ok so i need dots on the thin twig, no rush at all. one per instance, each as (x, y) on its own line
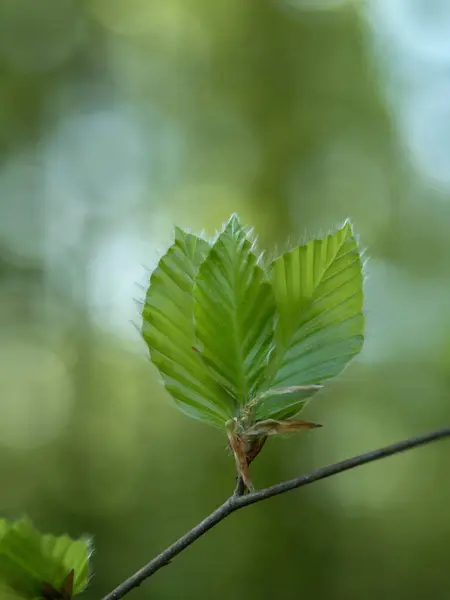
(240, 488)
(237, 501)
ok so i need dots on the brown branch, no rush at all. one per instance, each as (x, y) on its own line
(238, 501)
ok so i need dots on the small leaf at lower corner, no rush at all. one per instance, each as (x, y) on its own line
(32, 563)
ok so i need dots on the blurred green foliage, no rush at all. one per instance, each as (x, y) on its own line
(35, 565)
(120, 118)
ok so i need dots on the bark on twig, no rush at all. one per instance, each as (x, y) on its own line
(238, 501)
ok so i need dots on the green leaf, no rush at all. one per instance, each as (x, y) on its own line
(282, 401)
(319, 299)
(168, 330)
(234, 312)
(8, 593)
(29, 559)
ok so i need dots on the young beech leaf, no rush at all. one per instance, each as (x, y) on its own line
(319, 298)
(234, 312)
(33, 565)
(277, 427)
(282, 401)
(66, 591)
(168, 330)
(8, 593)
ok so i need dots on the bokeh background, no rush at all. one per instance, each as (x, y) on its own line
(121, 118)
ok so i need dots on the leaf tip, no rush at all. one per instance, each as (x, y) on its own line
(233, 222)
(180, 234)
